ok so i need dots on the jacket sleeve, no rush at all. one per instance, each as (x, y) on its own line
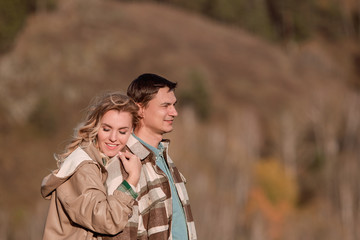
(85, 201)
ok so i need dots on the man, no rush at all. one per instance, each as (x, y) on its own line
(162, 209)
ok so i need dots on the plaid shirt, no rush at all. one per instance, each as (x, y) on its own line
(152, 211)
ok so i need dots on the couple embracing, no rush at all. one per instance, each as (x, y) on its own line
(115, 179)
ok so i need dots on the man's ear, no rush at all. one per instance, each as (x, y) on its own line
(141, 110)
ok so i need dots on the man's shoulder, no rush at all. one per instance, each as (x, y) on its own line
(136, 147)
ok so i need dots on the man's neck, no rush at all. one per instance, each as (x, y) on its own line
(150, 138)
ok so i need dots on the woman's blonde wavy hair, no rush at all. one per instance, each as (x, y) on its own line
(87, 130)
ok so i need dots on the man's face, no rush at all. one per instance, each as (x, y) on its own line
(159, 114)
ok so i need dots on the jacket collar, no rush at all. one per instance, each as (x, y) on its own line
(139, 149)
(95, 155)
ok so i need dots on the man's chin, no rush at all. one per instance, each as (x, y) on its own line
(168, 130)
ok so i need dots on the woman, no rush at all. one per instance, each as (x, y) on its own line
(80, 207)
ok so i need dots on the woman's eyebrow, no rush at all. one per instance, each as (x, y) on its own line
(107, 125)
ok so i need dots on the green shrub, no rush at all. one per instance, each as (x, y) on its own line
(197, 96)
(43, 118)
(13, 14)
(12, 17)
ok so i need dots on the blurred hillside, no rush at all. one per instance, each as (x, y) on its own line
(267, 136)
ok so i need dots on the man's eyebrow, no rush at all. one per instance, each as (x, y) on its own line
(168, 103)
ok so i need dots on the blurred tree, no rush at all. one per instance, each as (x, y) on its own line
(13, 14)
(275, 20)
(12, 17)
(272, 198)
(350, 12)
(279, 20)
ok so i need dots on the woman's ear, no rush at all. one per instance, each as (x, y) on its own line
(94, 141)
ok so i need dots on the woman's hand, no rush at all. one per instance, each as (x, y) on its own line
(132, 166)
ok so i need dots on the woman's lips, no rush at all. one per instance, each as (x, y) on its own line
(111, 146)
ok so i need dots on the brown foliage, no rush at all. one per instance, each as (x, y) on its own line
(294, 104)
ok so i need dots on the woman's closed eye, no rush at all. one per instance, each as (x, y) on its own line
(106, 129)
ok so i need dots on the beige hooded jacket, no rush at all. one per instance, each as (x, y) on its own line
(80, 207)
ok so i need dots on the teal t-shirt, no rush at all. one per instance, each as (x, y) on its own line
(179, 228)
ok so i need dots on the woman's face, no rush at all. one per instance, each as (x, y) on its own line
(115, 129)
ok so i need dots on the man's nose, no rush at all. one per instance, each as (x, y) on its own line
(173, 111)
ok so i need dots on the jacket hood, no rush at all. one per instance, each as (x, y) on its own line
(78, 157)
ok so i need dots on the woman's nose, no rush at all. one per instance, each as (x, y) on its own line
(113, 136)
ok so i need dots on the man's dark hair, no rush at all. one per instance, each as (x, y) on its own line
(145, 87)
